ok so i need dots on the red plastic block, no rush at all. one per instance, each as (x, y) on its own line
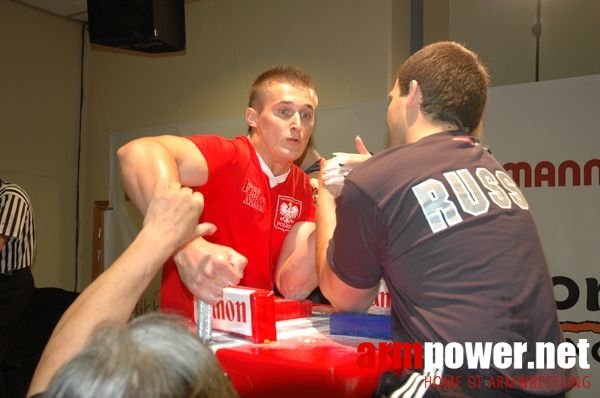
(290, 309)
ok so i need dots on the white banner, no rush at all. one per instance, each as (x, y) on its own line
(546, 134)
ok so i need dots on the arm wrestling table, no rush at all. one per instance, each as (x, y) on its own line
(305, 361)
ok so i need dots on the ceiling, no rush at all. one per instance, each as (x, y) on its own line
(75, 10)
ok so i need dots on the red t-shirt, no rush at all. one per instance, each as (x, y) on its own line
(251, 217)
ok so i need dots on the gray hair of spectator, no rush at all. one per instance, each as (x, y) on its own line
(154, 355)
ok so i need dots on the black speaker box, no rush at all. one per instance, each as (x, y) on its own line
(152, 26)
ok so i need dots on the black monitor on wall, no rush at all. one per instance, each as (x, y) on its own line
(152, 26)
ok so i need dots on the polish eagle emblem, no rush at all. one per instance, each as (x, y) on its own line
(288, 211)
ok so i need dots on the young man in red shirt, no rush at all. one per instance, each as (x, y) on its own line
(259, 200)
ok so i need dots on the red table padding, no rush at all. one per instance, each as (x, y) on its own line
(298, 368)
(289, 309)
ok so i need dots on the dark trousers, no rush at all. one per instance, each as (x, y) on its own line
(16, 290)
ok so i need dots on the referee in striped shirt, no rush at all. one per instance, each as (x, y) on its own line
(17, 248)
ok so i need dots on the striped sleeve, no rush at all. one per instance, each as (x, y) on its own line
(17, 225)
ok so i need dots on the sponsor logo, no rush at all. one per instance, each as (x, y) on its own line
(254, 196)
(570, 294)
(570, 290)
(566, 173)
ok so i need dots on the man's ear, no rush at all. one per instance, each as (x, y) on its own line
(414, 93)
(413, 102)
(251, 116)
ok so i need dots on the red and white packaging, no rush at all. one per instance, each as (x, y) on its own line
(383, 296)
(246, 312)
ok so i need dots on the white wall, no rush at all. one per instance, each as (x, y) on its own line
(501, 32)
(548, 123)
(39, 115)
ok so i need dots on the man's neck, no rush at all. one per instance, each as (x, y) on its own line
(427, 128)
(276, 169)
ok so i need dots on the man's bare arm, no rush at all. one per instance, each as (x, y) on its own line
(341, 295)
(144, 161)
(170, 222)
(296, 276)
(204, 267)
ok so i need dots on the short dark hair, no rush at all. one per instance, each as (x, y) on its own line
(283, 74)
(453, 81)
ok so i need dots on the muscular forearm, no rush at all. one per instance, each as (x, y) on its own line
(142, 163)
(296, 276)
(326, 223)
(169, 158)
(341, 295)
(170, 222)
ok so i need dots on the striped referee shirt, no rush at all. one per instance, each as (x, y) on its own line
(17, 226)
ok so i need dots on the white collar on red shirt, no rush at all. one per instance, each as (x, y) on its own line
(273, 180)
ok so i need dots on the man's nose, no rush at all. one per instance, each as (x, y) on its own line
(296, 119)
